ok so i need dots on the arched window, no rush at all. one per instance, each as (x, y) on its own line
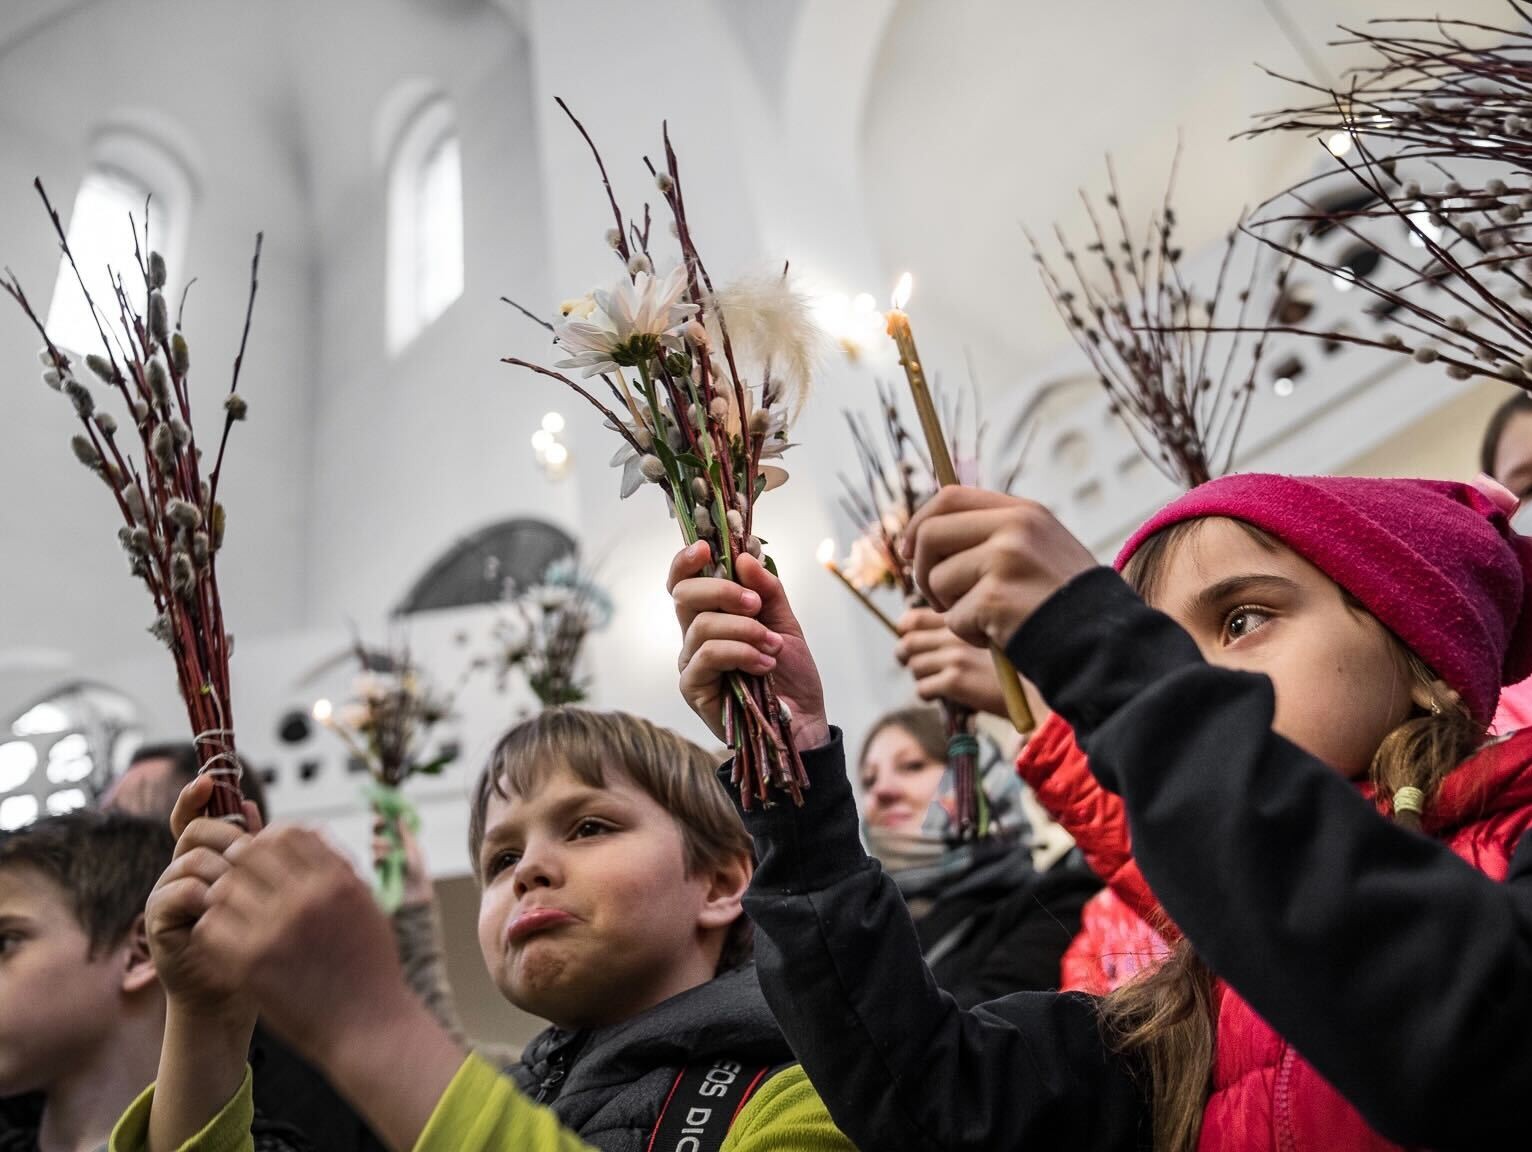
(129, 174)
(59, 752)
(425, 221)
(478, 568)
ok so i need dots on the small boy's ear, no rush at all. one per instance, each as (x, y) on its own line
(727, 882)
(138, 970)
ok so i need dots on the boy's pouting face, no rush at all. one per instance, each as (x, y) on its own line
(587, 915)
(57, 1001)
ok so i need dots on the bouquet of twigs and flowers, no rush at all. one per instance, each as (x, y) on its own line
(1174, 357)
(172, 522)
(699, 383)
(388, 724)
(543, 630)
(1434, 135)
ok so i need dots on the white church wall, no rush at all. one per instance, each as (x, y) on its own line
(415, 450)
(66, 585)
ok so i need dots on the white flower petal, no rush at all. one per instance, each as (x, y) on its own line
(632, 477)
(640, 293)
(578, 336)
(593, 363)
(773, 448)
(621, 307)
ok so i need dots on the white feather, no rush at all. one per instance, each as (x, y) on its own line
(770, 324)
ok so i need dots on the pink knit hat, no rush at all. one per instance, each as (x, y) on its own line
(1436, 562)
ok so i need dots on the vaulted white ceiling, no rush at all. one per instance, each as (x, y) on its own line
(981, 117)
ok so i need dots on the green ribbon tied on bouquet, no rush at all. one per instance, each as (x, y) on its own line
(397, 813)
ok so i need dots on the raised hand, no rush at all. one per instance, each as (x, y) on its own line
(418, 892)
(197, 982)
(944, 666)
(304, 929)
(988, 561)
(210, 1012)
(742, 627)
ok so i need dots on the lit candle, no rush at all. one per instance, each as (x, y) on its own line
(930, 423)
(827, 558)
(941, 462)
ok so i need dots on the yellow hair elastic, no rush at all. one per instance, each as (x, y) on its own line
(1409, 799)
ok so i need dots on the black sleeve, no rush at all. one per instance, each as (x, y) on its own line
(274, 1136)
(1024, 952)
(898, 1064)
(289, 1094)
(1402, 974)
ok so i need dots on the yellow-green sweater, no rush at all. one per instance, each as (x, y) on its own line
(482, 1111)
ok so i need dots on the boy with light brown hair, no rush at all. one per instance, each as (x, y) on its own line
(612, 866)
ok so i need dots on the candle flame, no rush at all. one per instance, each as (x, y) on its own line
(902, 291)
(826, 551)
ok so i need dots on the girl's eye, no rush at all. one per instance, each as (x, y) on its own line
(585, 829)
(914, 767)
(8, 942)
(1243, 621)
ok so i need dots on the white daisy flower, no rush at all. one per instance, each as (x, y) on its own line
(631, 322)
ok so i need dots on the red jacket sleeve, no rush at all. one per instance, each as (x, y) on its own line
(1055, 767)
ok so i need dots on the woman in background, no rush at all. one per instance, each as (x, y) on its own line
(989, 923)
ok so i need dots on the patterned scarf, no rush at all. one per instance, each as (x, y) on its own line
(924, 863)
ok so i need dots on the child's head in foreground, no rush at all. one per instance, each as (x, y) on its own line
(74, 960)
(611, 864)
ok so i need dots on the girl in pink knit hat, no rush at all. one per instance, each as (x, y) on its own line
(1280, 662)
